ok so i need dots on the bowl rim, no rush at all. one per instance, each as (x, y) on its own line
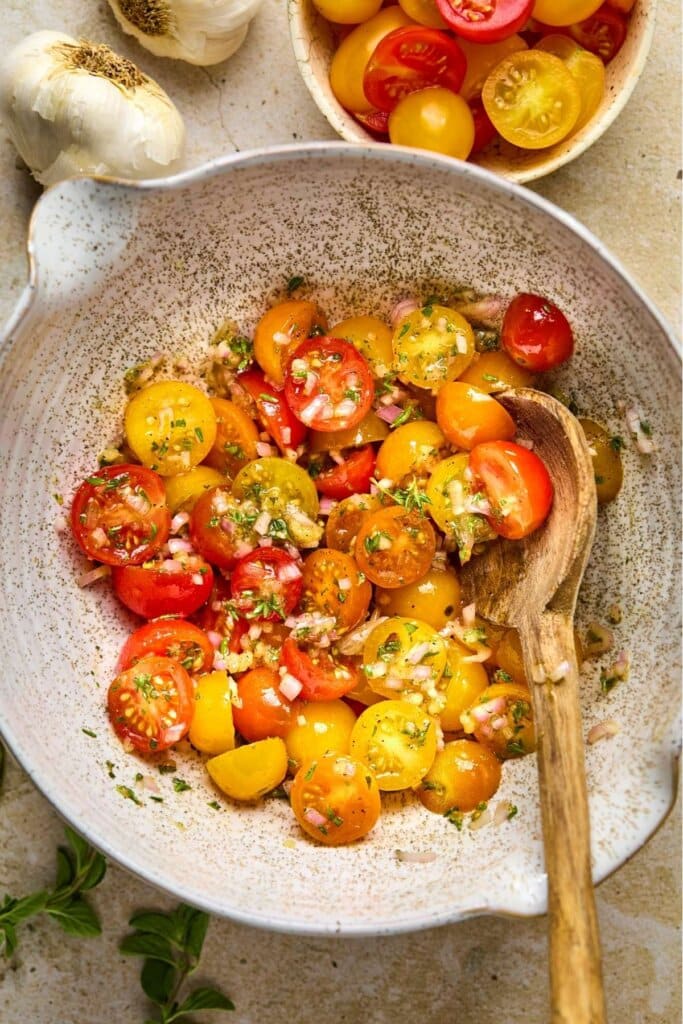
(49, 785)
(343, 123)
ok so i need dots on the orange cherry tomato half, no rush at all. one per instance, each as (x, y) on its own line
(517, 485)
(352, 476)
(332, 588)
(168, 638)
(328, 384)
(469, 416)
(273, 411)
(236, 437)
(262, 711)
(335, 799)
(213, 531)
(266, 584)
(410, 59)
(485, 21)
(536, 333)
(151, 704)
(322, 675)
(603, 33)
(280, 330)
(164, 587)
(119, 515)
(395, 546)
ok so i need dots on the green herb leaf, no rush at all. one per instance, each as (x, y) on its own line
(294, 283)
(151, 923)
(158, 981)
(154, 946)
(204, 999)
(76, 918)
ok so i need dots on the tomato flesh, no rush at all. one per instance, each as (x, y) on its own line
(266, 584)
(273, 410)
(395, 546)
(169, 638)
(329, 384)
(170, 587)
(350, 477)
(151, 704)
(322, 676)
(119, 515)
(485, 21)
(536, 333)
(262, 710)
(603, 33)
(517, 485)
(410, 59)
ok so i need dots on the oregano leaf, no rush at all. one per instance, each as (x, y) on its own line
(158, 981)
(153, 923)
(76, 918)
(154, 946)
(65, 870)
(204, 999)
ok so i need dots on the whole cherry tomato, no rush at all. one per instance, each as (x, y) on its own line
(536, 333)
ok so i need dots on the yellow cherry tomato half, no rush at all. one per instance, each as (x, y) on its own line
(435, 119)
(411, 450)
(434, 598)
(405, 658)
(424, 12)
(335, 799)
(372, 337)
(502, 719)
(184, 489)
(432, 344)
(275, 484)
(212, 730)
(564, 12)
(236, 438)
(280, 330)
(464, 775)
(319, 727)
(452, 505)
(350, 59)
(482, 59)
(495, 371)
(607, 467)
(585, 67)
(347, 12)
(250, 772)
(170, 426)
(370, 429)
(532, 99)
(397, 741)
(462, 682)
(469, 416)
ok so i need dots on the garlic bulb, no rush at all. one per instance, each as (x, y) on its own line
(197, 31)
(73, 107)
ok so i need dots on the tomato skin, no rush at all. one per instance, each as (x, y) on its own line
(397, 741)
(354, 52)
(375, 121)
(264, 712)
(411, 59)
(603, 33)
(504, 18)
(322, 676)
(273, 410)
(170, 426)
(435, 119)
(563, 12)
(469, 416)
(317, 728)
(517, 485)
(351, 477)
(335, 799)
(236, 437)
(329, 384)
(463, 775)
(140, 701)
(536, 333)
(109, 530)
(263, 574)
(168, 638)
(344, 521)
(484, 129)
(151, 592)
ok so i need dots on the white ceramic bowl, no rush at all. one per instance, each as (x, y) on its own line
(313, 43)
(120, 271)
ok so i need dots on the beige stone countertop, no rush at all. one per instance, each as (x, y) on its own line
(488, 970)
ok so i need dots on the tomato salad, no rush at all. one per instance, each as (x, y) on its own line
(454, 76)
(291, 527)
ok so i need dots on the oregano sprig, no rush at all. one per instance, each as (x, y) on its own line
(172, 945)
(79, 868)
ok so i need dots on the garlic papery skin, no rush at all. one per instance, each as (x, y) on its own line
(197, 31)
(72, 107)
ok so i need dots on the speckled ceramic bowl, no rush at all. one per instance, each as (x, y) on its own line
(119, 272)
(313, 43)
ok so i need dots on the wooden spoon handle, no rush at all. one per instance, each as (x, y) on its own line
(575, 967)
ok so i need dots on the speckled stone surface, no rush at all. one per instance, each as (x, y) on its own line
(626, 190)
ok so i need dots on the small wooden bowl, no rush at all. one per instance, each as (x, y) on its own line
(313, 42)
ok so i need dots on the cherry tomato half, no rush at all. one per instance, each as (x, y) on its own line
(119, 515)
(266, 584)
(375, 121)
(236, 438)
(335, 799)
(262, 710)
(536, 333)
(219, 528)
(395, 546)
(151, 704)
(517, 485)
(564, 12)
(280, 330)
(354, 52)
(603, 33)
(328, 384)
(410, 59)
(169, 638)
(273, 411)
(485, 21)
(168, 587)
(350, 477)
(322, 675)
(333, 587)
(469, 416)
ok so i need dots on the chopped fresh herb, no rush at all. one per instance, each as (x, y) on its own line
(110, 769)
(646, 428)
(143, 683)
(373, 541)
(268, 398)
(512, 811)
(455, 817)
(353, 394)
(180, 786)
(199, 434)
(391, 646)
(501, 676)
(491, 378)
(89, 732)
(128, 793)
(235, 450)
(410, 627)
(157, 799)
(616, 443)
(428, 310)
(294, 283)
(332, 816)
(515, 747)
(411, 497)
(384, 386)
(214, 805)
(404, 330)
(96, 481)
(411, 412)
(167, 768)
(264, 607)
(311, 771)
(278, 530)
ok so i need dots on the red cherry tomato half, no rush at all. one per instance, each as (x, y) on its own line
(517, 485)
(376, 121)
(273, 410)
(535, 333)
(162, 589)
(322, 676)
(484, 131)
(218, 616)
(351, 477)
(329, 384)
(119, 515)
(151, 704)
(218, 531)
(485, 21)
(410, 59)
(266, 584)
(603, 33)
(169, 638)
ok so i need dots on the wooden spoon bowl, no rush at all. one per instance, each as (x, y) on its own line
(533, 585)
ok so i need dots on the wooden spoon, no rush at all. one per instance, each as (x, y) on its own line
(532, 585)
